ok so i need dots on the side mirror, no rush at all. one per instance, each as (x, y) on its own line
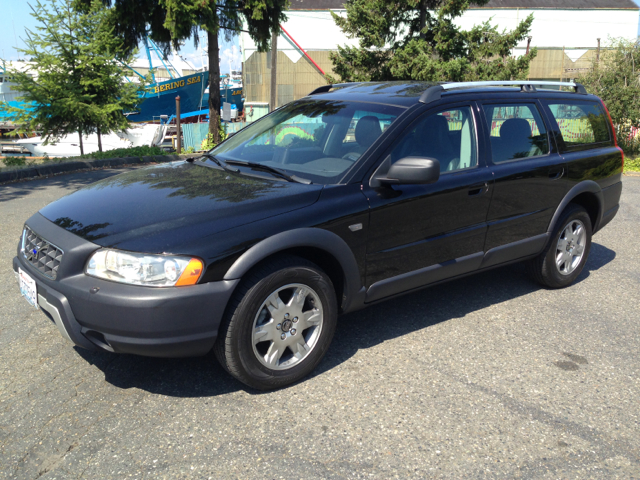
(413, 171)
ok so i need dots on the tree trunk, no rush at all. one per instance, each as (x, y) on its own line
(99, 141)
(214, 86)
(423, 18)
(81, 145)
(273, 97)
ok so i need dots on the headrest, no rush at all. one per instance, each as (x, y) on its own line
(435, 126)
(367, 131)
(515, 127)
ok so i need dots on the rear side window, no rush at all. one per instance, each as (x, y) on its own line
(580, 124)
(517, 131)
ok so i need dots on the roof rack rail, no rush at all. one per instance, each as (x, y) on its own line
(322, 89)
(432, 94)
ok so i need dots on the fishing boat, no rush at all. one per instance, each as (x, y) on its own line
(230, 91)
(159, 99)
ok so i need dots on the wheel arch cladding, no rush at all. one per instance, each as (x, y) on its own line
(324, 248)
(588, 195)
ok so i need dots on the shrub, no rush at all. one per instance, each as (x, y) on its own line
(14, 161)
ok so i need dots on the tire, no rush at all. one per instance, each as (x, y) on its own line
(564, 257)
(279, 324)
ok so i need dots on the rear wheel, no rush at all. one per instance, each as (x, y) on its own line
(279, 324)
(563, 259)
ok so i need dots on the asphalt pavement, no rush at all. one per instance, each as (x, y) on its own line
(490, 376)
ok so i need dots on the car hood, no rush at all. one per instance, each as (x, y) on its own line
(164, 208)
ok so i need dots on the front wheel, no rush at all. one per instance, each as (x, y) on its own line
(279, 324)
(563, 259)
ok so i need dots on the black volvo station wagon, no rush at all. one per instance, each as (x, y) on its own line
(352, 195)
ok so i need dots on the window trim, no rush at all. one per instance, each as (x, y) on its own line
(562, 145)
(541, 113)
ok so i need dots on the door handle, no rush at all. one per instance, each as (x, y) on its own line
(478, 189)
(556, 174)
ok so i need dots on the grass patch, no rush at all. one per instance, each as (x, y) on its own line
(13, 163)
(631, 164)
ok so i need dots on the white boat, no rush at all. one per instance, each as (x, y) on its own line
(69, 145)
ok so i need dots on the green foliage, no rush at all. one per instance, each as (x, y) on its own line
(629, 143)
(418, 40)
(615, 80)
(14, 161)
(143, 151)
(210, 141)
(76, 81)
(632, 164)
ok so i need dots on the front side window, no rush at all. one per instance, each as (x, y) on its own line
(448, 136)
(315, 139)
(517, 131)
(580, 123)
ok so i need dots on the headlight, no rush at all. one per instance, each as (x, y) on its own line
(144, 269)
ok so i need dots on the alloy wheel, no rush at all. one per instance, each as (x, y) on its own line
(571, 246)
(287, 326)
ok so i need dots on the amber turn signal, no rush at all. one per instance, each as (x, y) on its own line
(191, 273)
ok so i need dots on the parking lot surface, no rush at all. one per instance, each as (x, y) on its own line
(489, 376)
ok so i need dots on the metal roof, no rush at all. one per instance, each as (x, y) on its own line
(557, 4)
(561, 4)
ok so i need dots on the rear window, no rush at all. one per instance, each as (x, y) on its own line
(581, 123)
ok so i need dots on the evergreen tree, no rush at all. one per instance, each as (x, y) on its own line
(75, 81)
(418, 40)
(171, 22)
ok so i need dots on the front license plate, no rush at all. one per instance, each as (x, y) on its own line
(28, 287)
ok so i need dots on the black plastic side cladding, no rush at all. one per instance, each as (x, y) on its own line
(303, 237)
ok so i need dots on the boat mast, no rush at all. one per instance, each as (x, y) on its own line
(146, 47)
(157, 50)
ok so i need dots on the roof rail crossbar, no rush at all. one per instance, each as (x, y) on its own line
(322, 89)
(432, 94)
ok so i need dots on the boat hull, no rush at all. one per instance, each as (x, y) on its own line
(232, 95)
(160, 98)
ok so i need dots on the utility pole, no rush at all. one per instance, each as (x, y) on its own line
(598, 52)
(178, 129)
(274, 70)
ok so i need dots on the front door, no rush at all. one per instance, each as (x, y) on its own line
(420, 234)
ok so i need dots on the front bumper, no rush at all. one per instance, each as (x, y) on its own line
(101, 315)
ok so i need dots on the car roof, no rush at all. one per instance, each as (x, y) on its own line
(408, 93)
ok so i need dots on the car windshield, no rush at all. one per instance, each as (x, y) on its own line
(313, 139)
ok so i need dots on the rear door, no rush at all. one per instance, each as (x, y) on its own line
(530, 179)
(420, 234)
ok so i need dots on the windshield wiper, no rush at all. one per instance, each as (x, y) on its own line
(267, 168)
(222, 164)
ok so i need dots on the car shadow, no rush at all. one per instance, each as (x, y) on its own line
(204, 377)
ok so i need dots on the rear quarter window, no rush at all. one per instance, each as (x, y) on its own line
(581, 124)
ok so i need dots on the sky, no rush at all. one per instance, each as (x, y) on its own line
(16, 17)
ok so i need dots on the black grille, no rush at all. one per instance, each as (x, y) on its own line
(43, 255)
